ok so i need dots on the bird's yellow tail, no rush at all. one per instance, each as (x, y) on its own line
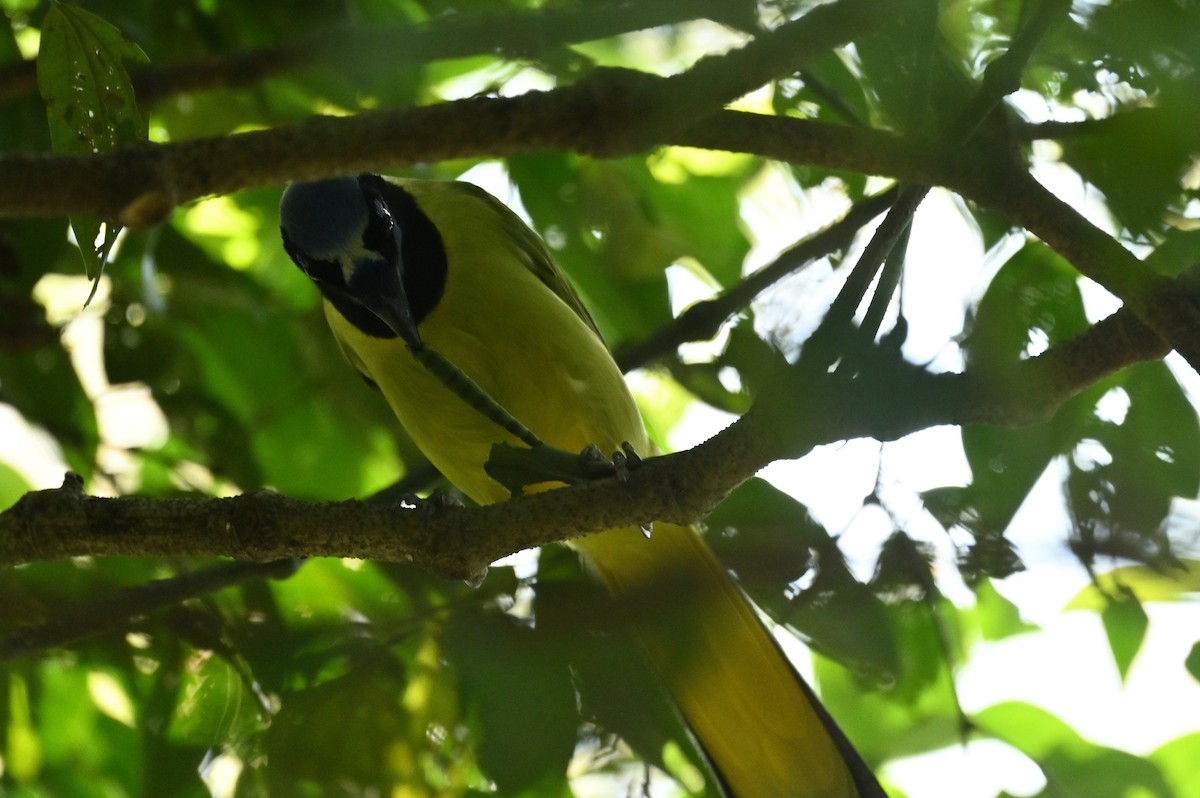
(749, 709)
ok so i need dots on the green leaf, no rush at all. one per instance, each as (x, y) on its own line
(89, 96)
(769, 541)
(615, 230)
(520, 694)
(23, 755)
(1147, 42)
(1177, 760)
(321, 590)
(45, 388)
(12, 486)
(353, 727)
(1149, 584)
(1032, 302)
(912, 709)
(1125, 623)
(1178, 252)
(621, 281)
(914, 87)
(216, 704)
(1130, 467)
(263, 396)
(998, 617)
(90, 102)
(749, 359)
(1072, 765)
(98, 754)
(827, 90)
(1192, 662)
(765, 537)
(704, 211)
(1140, 191)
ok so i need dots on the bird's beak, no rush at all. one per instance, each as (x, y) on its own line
(385, 297)
(394, 309)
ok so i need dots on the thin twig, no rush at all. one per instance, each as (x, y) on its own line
(701, 321)
(830, 339)
(107, 614)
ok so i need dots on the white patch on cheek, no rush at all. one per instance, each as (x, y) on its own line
(350, 259)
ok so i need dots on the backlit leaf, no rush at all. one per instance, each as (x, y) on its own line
(90, 102)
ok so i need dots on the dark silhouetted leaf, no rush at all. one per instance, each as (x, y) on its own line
(520, 700)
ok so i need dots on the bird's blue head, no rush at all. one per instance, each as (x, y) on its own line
(364, 242)
(324, 219)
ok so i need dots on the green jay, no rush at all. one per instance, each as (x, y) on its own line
(406, 264)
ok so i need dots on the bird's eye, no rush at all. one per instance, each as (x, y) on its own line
(382, 212)
(380, 235)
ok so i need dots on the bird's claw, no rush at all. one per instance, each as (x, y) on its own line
(594, 465)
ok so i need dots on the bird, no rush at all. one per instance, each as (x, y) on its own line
(407, 266)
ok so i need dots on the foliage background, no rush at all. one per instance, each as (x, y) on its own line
(203, 367)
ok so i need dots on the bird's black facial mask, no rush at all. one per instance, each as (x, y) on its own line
(377, 281)
(369, 248)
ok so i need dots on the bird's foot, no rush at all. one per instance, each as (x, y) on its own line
(594, 465)
(517, 467)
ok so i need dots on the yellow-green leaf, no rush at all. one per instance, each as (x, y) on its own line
(1149, 584)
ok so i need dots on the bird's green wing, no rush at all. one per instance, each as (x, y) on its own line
(537, 258)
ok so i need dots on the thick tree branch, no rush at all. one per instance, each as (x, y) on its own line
(886, 401)
(130, 183)
(1170, 307)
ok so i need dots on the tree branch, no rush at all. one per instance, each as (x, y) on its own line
(888, 400)
(701, 321)
(836, 332)
(516, 34)
(106, 614)
(992, 178)
(1033, 131)
(608, 113)
(1003, 75)
(1170, 307)
(140, 185)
